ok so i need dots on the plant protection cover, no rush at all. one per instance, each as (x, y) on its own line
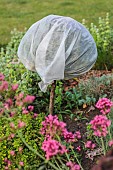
(57, 47)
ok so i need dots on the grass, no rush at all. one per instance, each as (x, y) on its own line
(23, 13)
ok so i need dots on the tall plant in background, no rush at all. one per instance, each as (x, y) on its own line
(103, 36)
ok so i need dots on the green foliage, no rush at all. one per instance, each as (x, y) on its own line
(97, 87)
(9, 64)
(31, 131)
(75, 98)
(103, 36)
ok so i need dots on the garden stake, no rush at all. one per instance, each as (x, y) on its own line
(52, 96)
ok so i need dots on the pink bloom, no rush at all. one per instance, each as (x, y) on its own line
(30, 108)
(9, 163)
(69, 136)
(5, 160)
(21, 124)
(20, 149)
(110, 143)
(78, 134)
(19, 96)
(52, 126)
(4, 86)
(1, 77)
(15, 87)
(8, 103)
(19, 103)
(12, 114)
(29, 99)
(104, 105)
(35, 115)
(100, 124)
(12, 125)
(52, 148)
(25, 111)
(90, 145)
(21, 163)
(1, 111)
(72, 165)
(12, 135)
(12, 153)
(78, 148)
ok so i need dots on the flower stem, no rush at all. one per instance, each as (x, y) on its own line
(103, 146)
(76, 158)
(109, 129)
(30, 148)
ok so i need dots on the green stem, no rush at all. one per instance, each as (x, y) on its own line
(103, 146)
(65, 152)
(76, 158)
(33, 150)
(109, 129)
(57, 164)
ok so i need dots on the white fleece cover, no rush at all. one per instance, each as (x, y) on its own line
(57, 47)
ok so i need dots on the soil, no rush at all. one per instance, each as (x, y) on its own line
(74, 125)
(80, 125)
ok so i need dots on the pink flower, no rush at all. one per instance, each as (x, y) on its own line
(90, 145)
(20, 149)
(12, 135)
(25, 111)
(35, 115)
(14, 87)
(1, 77)
(30, 108)
(8, 103)
(21, 163)
(72, 165)
(110, 143)
(78, 148)
(9, 163)
(12, 153)
(78, 134)
(52, 126)
(12, 125)
(12, 114)
(5, 160)
(69, 136)
(29, 99)
(100, 124)
(21, 124)
(104, 105)
(19, 96)
(4, 86)
(52, 148)
(1, 111)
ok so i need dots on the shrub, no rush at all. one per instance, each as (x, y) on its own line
(17, 116)
(103, 36)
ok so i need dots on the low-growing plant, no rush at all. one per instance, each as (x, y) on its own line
(75, 98)
(96, 87)
(100, 127)
(17, 116)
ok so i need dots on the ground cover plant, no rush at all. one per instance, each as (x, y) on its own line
(74, 138)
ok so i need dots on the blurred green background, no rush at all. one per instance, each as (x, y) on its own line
(23, 13)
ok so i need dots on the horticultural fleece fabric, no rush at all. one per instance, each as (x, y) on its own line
(57, 47)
